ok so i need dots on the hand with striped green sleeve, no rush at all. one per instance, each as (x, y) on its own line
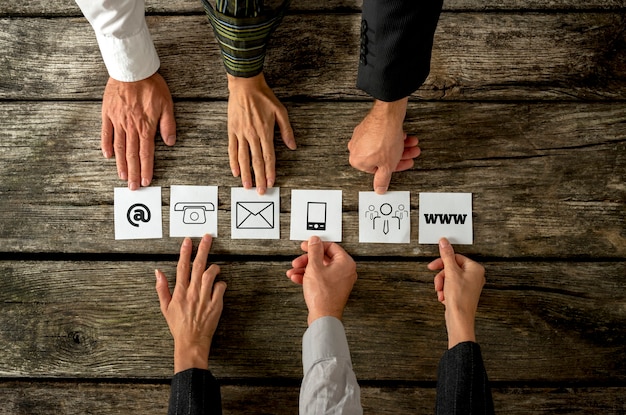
(253, 110)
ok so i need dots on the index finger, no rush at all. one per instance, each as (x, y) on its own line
(382, 177)
(269, 158)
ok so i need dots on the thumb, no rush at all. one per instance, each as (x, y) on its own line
(315, 252)
(447, 254)
(167, 124)
(163, 291)
(286, 132)
(382, 177)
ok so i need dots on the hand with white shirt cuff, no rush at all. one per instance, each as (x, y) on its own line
(327, 274)
(131, 113)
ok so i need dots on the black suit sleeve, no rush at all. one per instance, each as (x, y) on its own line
(195, 392)
(396, 45)
(462, 384)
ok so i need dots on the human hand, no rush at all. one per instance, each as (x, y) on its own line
(131, 112)
(253, 109)
(458, 286)
(380, 146)
(327, 274)
(194, 310)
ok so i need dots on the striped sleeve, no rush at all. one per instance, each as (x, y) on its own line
(243, 40)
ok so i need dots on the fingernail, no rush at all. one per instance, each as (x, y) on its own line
(171, 140)
(106, 154)
(270, 182)
(380, 190)
(145, 182)
(313, 240)
(234, 172)
(260, 190)
(247, 185)
(157, 275)
(206, 237)
(123, 175)
(133, 185)
(444, 243)
(187, 241)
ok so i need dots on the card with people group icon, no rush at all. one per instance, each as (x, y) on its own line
(385, 218)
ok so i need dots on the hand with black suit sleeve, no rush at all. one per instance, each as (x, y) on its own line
(379, 144)
(395, 53)
(462, 383)
(193, 311)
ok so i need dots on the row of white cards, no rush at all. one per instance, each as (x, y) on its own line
(382, 218)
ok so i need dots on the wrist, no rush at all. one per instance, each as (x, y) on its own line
(190, 358)
(316, 315)
(394, 110)
(241, 82)
(460, 327)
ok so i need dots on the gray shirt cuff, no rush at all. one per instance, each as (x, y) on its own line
(325, 338)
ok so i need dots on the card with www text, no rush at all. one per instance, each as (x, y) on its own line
(445, 215)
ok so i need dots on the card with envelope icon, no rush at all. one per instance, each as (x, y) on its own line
(255, 216)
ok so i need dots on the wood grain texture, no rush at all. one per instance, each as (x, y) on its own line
(477, 56)
(67, 398)
(538, 321)
(548, 179)
(525, 108)
(69, 7)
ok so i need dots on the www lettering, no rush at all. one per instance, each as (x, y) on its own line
(444, 219)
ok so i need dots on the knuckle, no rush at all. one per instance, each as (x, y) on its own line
(268, 158)
(145, 153)
(250, 133)
(118, 146)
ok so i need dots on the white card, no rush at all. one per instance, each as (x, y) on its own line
(193, 210)
(137, 213)
(385, 218)
(316, 212)
(254, 216)
(445, 215)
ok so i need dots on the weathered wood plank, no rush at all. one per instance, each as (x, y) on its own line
(548, 179)
(476, 56)
(537, 321)
(66, 398)
(69, 8)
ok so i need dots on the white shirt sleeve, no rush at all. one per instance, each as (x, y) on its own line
(329, 385)
(123, 37)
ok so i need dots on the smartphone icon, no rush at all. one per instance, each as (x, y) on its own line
(316, 216)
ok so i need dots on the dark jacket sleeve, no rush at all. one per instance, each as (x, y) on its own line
(462, 384)
(396, 45)
(195, 392)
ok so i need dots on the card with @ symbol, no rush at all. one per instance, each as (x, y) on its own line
(137, 213)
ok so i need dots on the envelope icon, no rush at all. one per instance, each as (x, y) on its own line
(254, 215)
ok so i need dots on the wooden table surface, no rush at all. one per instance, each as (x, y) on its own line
(525, 108)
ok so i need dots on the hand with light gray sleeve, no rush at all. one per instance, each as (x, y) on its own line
(327, 274)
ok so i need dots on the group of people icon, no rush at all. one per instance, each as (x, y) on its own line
(386, 210)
